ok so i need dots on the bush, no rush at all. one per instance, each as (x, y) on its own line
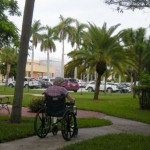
(143, 91)
(145, 79)
(36, 104)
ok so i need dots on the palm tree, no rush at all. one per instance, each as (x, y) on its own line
(64, 30)
(8, 56)
(24, 45)
(147, 56)
(100, 49)
(48, 45)
(78, 38)
(137, 49)
(35, 35)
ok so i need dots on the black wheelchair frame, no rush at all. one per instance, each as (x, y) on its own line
(55, 106)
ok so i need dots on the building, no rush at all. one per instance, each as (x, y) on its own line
(40, 68)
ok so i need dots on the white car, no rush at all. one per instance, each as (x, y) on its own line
(11, 83)
(81, 83)
(109, 88)
(28, 82)
(51, 80)
(31, 83)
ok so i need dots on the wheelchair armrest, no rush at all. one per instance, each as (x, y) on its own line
(69, 104)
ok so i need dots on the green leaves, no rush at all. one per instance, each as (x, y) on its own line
(8, 31)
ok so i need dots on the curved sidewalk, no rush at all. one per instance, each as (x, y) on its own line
(80, 113)
(54, 142)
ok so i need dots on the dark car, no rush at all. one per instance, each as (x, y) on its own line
(45, 84)
(71, 84)
(124, 88)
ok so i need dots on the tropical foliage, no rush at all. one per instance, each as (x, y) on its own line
(8, 57)
(65, 30)
(78, 38)
(35, 36)
(100, 49)
(48, 44)
(8, 31)
(137, 48)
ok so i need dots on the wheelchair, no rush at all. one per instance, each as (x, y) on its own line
(55, 106)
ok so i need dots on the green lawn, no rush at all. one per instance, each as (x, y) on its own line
(9, 132)
(115, 104)
(113, 142)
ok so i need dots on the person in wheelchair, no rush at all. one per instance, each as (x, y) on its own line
(56, 107)
(56, 90)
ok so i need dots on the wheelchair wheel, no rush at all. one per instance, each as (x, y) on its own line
(42, 124)
(69, 125)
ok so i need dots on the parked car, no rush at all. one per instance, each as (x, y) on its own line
(28, 82)
(44, 83)
(31, 83)
(81, 83)
(49, 80)
(71, 84)
(124, 88)
(11, 83)
(109, 88)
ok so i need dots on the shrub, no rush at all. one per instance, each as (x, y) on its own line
(36, 104)
(145, 79)
(144, 91)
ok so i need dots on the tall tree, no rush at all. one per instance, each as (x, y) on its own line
(136, 46)
(101, 48)
(147, 56)
(8, 31)
(8, 56)
(78, 38)
(35, 36)
(64, 30)
(48, 45)
(23, 53)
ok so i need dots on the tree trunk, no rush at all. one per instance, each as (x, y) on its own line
(97, 85)
(7, 73)
(32, 61)
(48, 66)
(62, 60)
(75, 69)
(23, 53)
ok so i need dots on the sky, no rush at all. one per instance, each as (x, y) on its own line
(85, 11)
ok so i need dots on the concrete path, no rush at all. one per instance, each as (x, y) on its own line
(54, 142)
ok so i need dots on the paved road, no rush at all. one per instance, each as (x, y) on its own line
(54, 142)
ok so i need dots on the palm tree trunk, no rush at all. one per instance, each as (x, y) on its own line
(7, 73)
(119, 78)
(75, 73)
(105, 84)
(62, 59)
(88, 77)
(23, 53)
(75, 70)
(32, 61)
(95, 75)
(96, 93)
(48, 71)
